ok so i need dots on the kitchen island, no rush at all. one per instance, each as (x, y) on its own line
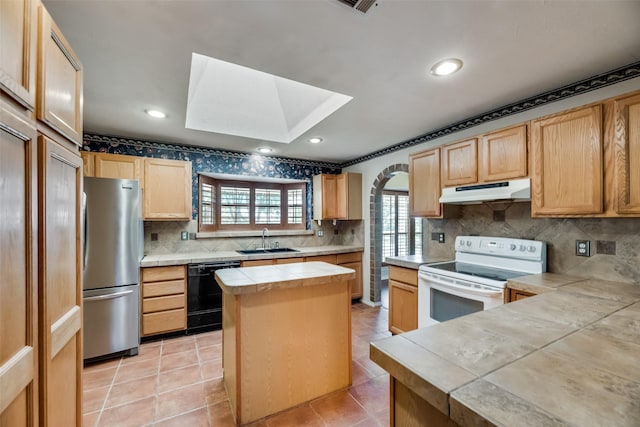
(286, 335)
(565, 357)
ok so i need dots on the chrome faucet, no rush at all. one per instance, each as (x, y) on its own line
(265, 233)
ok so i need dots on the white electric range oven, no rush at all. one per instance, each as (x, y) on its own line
(477, 278)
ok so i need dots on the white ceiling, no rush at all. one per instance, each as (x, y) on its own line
(137, 56)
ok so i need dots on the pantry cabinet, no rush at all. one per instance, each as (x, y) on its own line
(567, 163)
(40, 172)
(503, 155)
(59, 95)
(337, 196)
(164, 299)
(167, 194)
(59, 283)
(19, 260)
(460, 163)
(18, 53)
(626, 146)
(403, 299)
(424, 184)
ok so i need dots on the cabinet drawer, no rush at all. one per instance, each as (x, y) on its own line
(159, 289)
(172, 302)
(164, 321)
(405, 275)
(331, 259)
(350, 257)
(156, 274)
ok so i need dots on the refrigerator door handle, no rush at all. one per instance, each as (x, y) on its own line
(84, 231)
(108, 296)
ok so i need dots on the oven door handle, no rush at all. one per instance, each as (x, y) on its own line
(461, 288)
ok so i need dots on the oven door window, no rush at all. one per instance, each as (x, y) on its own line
(445, 306)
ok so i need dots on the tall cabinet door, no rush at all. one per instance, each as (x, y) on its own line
(627, 154)
(60, 290)
(424, 184)
(18, 287)
(567, 162)
(18, 53)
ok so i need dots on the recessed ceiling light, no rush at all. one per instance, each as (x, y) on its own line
(446, 67)
(264, 150)
(155, 113)
(315, 140)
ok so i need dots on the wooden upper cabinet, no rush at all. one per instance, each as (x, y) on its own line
(627, 154)
(337, 196)
(167, 194)
(503, 154)
(88, 163)
(18, 33)
(325, 201)
(119, 166)
(460, 163)
(59, 94)
(567, 163)
(424, 184)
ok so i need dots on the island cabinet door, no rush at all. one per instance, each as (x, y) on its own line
(627, 154)
(59, 287)
(18, 283)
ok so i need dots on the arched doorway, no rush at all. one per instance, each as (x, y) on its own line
(375, 248)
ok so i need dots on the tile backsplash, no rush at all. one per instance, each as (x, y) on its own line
(559, 234)
(168, 238)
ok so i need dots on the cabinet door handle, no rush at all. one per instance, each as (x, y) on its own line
(108, 296)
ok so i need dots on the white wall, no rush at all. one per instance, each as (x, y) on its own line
(372, 168)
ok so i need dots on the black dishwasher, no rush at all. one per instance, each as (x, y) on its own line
(204, 296)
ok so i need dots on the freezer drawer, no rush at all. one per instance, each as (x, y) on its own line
(111, 321)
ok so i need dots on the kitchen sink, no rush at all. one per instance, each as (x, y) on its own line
(266, 251)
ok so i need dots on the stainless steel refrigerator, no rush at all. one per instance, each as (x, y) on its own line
(113, 247)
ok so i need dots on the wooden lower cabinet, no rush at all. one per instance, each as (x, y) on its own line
(256, 262)
(353, 260)
(59, 284)
(164, 299)
(517, 295)
(18, 257)
(403, 299)
(410, 410)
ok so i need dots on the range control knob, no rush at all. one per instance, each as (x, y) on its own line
(522, 248)
(461, 242)
(512, 246)
(468, 242)
(531, 248)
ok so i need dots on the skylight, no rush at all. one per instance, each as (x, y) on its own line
(232, 99)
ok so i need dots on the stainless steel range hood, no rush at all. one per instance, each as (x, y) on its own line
(518, 190)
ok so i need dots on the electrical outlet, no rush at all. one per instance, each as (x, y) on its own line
(441, 237)
(184, 235)
(320, 233)
(583, 248)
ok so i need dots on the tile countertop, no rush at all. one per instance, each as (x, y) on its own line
(567, 357)
(411, 261)
(268, 277)
(195, 257)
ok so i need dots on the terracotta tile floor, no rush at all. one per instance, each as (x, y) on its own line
(178, 382)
